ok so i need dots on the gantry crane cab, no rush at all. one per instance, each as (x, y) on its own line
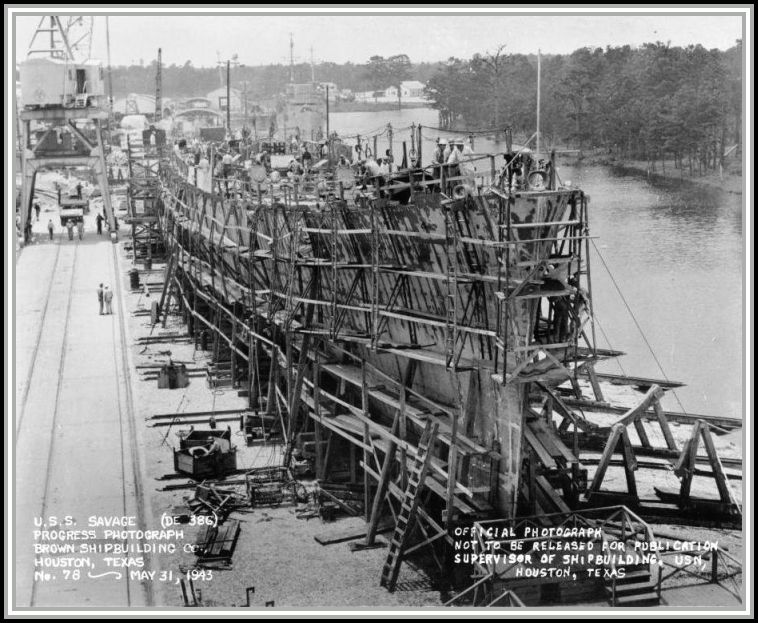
(48, 82)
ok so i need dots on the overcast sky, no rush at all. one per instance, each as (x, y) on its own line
(260, 40)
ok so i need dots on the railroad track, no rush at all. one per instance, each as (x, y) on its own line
(43, 320)
(65, 476)
(126, 418)
(58, 387)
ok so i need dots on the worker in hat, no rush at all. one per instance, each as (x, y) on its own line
(455, 152)
(439, 153)
(108, 299)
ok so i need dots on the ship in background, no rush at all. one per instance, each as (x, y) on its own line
(304, 112)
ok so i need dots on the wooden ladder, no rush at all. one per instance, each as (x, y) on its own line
(409, 506)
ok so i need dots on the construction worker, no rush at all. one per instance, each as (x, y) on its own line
(50, 228)
(78, 190)
(439, 153)
(108, 298)
(215, 445)
(99, 222)
(306, 158)
(100, 297)
(70, 228)
(372, 167)
(80, 228)
(37, 209)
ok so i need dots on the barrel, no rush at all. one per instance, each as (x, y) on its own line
(134, 279)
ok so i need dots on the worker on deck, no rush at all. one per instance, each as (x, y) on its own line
(446, 151)
(80, 228)
(70, 228)
(296, 168)
(37, 209)
(372, 167)
(99, 223)
(108, 299)
(78, 190)
(439, 153)
(50, 228)
(384, 167)
(226, 164)
(307, 158)
(390, 160)
(455, 152)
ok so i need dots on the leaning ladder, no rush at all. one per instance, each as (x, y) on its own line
(407, 515)
(451, 288)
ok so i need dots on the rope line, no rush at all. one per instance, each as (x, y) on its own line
(637, 324)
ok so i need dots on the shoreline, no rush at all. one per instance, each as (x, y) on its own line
(374, 106)
(732, 182)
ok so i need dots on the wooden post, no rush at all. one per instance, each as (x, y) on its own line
(716, 466)
(403, 431)
(381, 493)
(366, 441)
(420, 152)
(353, 473)
(605, 459)
(715, 566)
(687, 461)
(665, 428)
(317, 418)
(641, 433)
(596, 389)
(630, 463)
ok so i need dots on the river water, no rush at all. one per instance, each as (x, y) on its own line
(676, 252)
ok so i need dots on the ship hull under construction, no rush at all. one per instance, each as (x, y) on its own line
(369, 317)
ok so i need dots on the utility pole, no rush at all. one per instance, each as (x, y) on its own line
(244, 95)
(232, 61)
(292, 59)
(110, 74)
(159, 89)
(328, 136)
(228, 97)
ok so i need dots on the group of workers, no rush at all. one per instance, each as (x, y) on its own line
(105, 299)
(72, 225)
(452, 152)
(211, 165)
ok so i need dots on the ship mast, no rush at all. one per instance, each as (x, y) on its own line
(539, 80)
(159, 89)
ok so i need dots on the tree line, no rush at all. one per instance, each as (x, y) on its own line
(640, 102)
(266, 82)
(634, 102)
